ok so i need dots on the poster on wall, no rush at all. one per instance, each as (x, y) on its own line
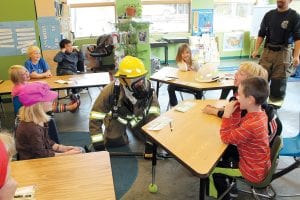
(202, 21)
(50, 32)
(16, 37)
(233, 41)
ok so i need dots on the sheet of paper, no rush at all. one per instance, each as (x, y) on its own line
(62, 81)
(159, 123)
(25, 193)
(184, 106)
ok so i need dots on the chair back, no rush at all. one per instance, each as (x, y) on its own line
(274, 123)
(17, 104)
(277, 144)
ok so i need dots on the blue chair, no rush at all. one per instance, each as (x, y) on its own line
(291, 147)
(52, 130)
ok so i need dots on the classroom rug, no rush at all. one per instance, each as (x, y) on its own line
(124, 169)
(294, 79)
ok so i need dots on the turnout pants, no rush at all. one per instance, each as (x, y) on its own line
(278, 64)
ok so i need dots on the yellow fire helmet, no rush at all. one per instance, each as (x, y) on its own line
(131, 67)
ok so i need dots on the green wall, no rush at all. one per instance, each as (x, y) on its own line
(202, 4)
(15, 10)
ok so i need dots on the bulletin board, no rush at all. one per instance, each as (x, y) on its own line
(202, 21)
(16, 37)
(50, 32)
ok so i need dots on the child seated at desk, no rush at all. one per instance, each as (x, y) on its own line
(246, 70)
(184, 63)
(248, 133)
(68, 59)
(32, 140)
(36, 66)
(19, 75)
(8, 185)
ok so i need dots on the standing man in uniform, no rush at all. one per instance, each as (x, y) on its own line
(281, 29)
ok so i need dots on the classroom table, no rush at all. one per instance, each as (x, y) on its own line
(193, 139)
(85, 80)
(175, 40)
(187, 80)
(81, 176)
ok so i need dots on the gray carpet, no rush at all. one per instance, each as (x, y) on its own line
(124, 169)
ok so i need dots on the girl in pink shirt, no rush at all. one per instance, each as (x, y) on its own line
(19, 75)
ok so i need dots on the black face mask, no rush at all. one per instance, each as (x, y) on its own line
(140, 91)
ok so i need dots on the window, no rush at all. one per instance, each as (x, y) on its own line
(232, 16)
(92, 21)
(167, 17)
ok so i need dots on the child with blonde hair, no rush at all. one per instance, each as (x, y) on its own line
(8, 185)
(19, 75)
(246, 70)
(36, 66)
(32, 140)
(185, 63)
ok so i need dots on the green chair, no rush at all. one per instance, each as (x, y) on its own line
(266, 183)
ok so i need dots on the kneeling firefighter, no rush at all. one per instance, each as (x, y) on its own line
(129, 102)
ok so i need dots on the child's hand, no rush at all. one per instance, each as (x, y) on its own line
(48, 74)
(211, 110)
(230, 108)
(73, 151)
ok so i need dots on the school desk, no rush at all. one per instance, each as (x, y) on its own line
(193, 139)
(173, 76)
(71, 81)
(72, 177)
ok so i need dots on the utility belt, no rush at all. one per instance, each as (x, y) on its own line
(276, 47)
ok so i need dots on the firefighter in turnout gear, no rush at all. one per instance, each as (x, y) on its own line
(129, 102)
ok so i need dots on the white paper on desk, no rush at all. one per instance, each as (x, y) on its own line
(25, 193)
(184, 106)
(170, 78)
(159, 123)
(62, 82)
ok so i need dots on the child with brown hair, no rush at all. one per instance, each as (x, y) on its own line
(249, 133)
(19, 75)
(184, 63)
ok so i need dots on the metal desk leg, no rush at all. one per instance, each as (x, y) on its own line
(166, 55)
(157, 88)
(153, 187)
(202, 189)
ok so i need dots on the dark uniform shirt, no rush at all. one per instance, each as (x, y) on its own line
(280, 28)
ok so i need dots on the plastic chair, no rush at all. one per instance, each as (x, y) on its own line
(266, 183)
(2, 107)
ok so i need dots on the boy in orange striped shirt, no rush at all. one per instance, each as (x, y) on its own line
(248, 133)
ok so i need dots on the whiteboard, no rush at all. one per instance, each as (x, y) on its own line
(258, 14)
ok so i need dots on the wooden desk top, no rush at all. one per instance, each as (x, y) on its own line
(81, 176)
(187, 79)
(195, 140)
(77, 81)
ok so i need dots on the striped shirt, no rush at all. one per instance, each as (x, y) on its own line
(250, 135)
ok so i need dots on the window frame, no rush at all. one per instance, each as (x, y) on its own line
(144, 2)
